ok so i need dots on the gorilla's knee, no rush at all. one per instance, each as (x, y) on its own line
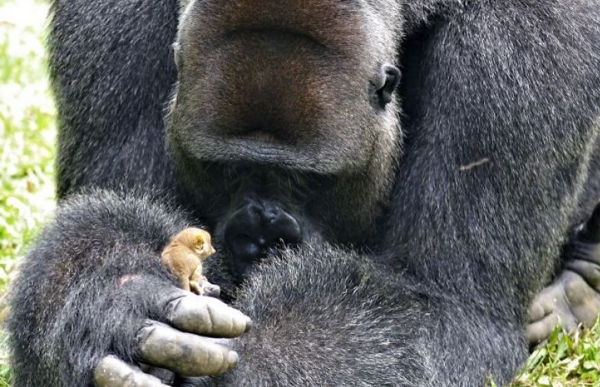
(256, 226)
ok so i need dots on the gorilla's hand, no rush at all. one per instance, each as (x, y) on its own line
(574, 296)
(96, 286)
(179, 345)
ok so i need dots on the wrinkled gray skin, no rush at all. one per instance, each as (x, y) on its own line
(574, 296)
(416, 266)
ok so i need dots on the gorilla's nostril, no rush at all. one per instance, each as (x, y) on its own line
(289, 229)
(271, 214)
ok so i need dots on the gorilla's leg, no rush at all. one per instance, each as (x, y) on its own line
(574, 296)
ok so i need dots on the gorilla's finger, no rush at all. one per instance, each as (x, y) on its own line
(112, 372)
(546, 302)
(583, 301)
(536, 311)
(540, 330)
(555, 306)
(588, 312)
(205, 316)
(184, 353)
(165, 376)
(589, 271)
(591, 229)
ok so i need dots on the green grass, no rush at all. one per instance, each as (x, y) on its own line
(27, 136)
(27, 130)
(566, 361)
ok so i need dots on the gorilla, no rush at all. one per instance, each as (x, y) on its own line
(389, 184)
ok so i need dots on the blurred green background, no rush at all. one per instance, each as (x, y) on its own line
(27, 129)
(27, 139)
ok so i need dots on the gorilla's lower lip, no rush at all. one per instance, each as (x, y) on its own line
(257, 150)
(257, 147)
(227, 149)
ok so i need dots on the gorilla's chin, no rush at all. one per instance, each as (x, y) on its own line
(310, 93)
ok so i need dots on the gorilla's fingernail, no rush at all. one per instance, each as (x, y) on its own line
(248, 325)
(232, 359)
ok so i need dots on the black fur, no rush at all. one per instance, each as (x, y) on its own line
(500, 103)
(71, 309)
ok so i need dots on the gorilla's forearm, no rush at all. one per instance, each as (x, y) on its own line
(110, 131)
(499, 143)
(70, 306)
(328, 317)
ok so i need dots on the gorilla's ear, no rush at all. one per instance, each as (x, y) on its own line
(385, 81)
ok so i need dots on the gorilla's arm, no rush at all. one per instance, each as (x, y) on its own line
(501, 104)
(94, 285)
(112, 71)
(328, 317)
